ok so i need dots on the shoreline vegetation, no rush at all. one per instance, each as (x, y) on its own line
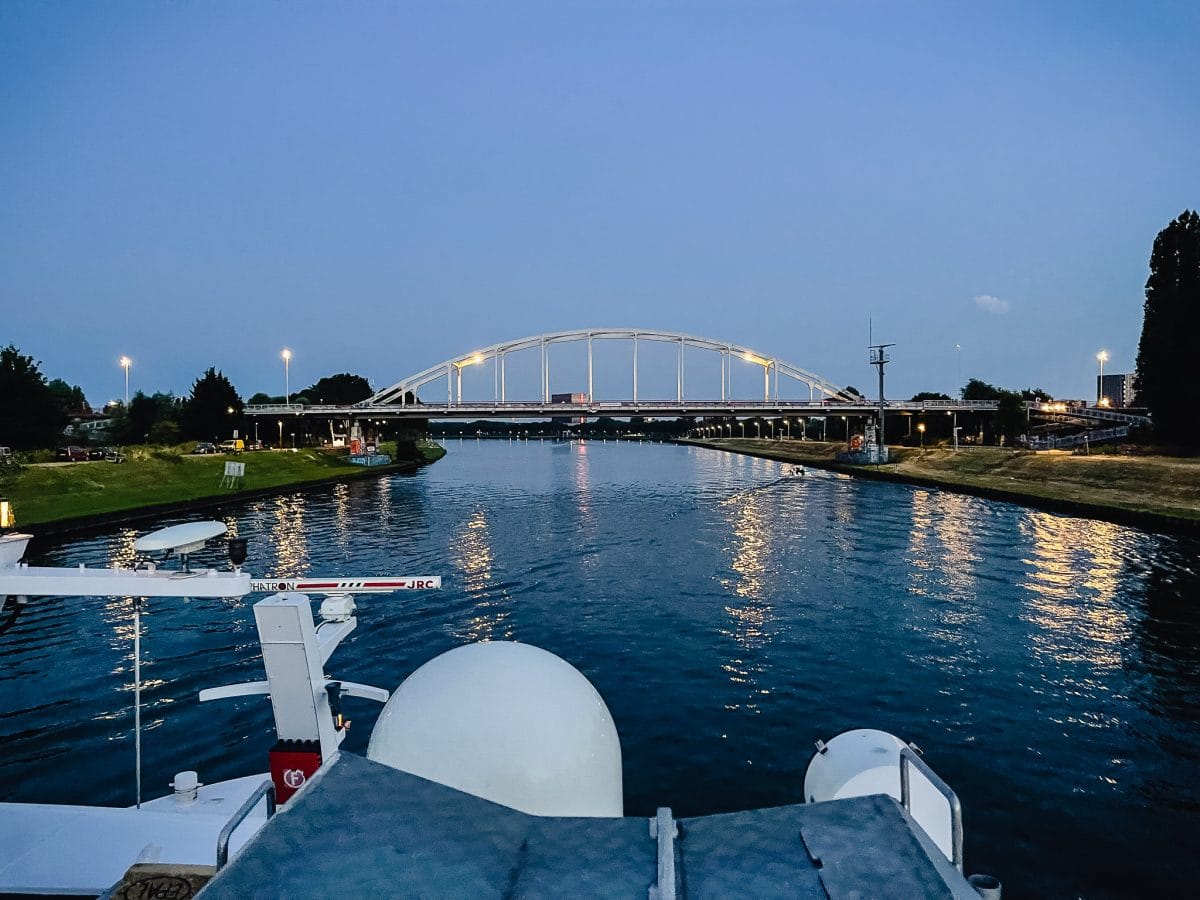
(1158, 493)
(56, 498)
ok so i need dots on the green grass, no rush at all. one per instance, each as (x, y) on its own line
(1158, 485)
(152, 476)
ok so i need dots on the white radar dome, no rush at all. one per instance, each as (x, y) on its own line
(865, 761)
(507, 722)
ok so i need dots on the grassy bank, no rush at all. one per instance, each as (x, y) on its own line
(1148, 490)
(153, 477)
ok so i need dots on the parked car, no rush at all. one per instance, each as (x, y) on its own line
(235, 446)
(95, 453)
(72, 454)
(205, 447)
(6, 456)
(113, 455)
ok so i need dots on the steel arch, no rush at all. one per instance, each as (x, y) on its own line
(397, 393)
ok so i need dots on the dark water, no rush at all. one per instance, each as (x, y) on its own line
(1048, 666)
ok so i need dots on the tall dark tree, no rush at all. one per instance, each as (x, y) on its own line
(928, 395)
(1166, 380)
(137, 420)
(1010, 418)
(343, 388)
(30, 413)
(70, 397)
(981, 390)
(208, 413)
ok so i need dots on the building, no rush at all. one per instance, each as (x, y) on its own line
(1117, 389)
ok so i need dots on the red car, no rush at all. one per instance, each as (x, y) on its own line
(72, 454)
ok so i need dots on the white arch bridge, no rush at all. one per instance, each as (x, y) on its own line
(402, 400)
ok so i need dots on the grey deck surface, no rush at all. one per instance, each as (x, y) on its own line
(361, 829)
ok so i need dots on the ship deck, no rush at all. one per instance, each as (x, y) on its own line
(364, 829)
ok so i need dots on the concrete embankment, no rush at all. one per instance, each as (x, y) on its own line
(1157, 493)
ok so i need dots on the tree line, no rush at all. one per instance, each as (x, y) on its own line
(34, 411)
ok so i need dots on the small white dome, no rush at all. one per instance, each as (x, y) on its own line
(508, 722)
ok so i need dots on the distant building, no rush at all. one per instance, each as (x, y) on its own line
(94, 426)
(1118, 389)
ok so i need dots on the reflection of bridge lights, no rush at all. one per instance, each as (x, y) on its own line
(475, 559)
(751, 533)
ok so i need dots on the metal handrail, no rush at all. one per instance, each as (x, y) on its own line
(267, 789)
(956, 827)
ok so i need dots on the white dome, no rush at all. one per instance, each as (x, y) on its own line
(865, 761)
(508, 722)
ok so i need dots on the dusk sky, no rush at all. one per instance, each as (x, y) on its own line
(381, 186)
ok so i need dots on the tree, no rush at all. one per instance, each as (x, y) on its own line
(70, 397)
(30, 413)
(981, 390)
(1165, 380)
(928, 395)
(140, 417)
(208, 413)
(339, 389)
(1010, 415)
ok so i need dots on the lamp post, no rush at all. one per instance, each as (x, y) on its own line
(287, 391)
(125, 363)
(921, 428)
(1102, 358)
(281, 434)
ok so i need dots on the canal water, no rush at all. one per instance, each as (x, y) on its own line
(1048, 666)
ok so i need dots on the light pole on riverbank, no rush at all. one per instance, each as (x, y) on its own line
(125, 363)
(281, 434)
(1102, 358)
(287, 390)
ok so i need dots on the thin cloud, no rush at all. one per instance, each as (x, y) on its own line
(990, 304)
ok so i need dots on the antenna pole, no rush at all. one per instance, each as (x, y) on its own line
(137, 695)
(879, 358)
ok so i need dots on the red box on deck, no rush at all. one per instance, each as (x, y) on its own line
(292, 764)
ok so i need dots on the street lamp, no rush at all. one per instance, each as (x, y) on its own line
(921, 428)
(1102, 358)
(742, 425)
(281, 434)
(287, 391)
(125, 362)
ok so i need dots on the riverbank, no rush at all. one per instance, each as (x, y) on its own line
(58, 498)
(1159, 493)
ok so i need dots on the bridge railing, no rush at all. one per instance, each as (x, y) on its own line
(619, 407)
(1095, 436)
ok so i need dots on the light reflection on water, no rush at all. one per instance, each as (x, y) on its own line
(289, 539)
(1074, 575)
(729, 616)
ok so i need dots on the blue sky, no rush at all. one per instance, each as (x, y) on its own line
(381, 186)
